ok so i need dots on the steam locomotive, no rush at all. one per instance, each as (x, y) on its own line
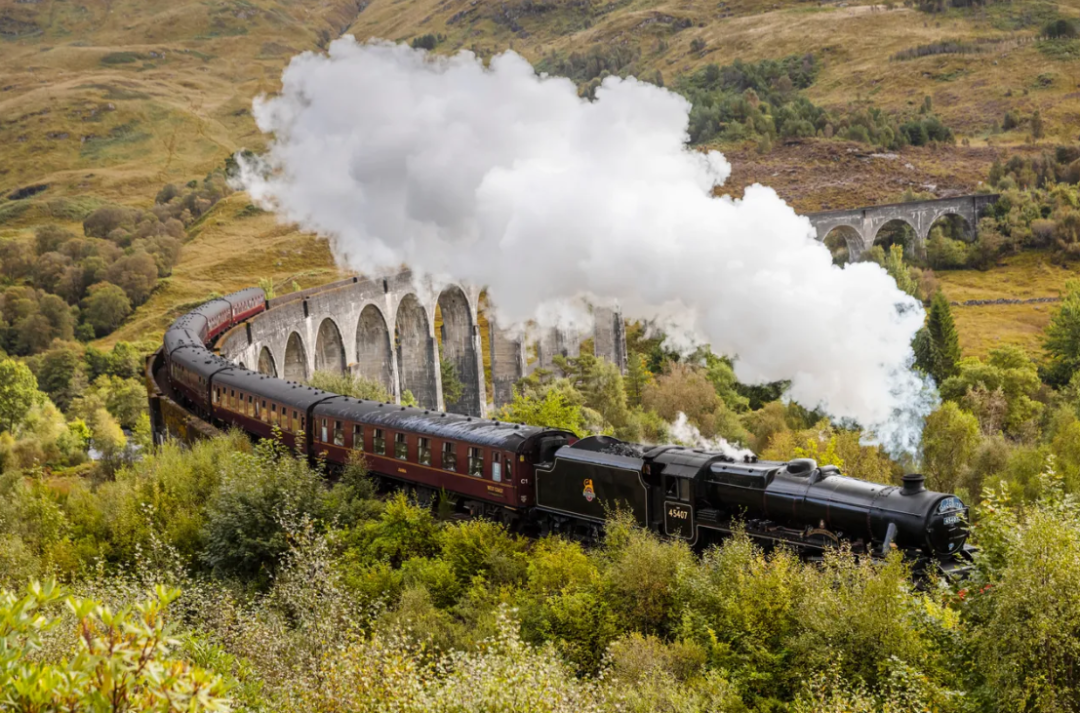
(544, 480)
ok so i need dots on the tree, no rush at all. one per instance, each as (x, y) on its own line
(107, 436)
(452, 388)
(1007, 381)
(1062, 338)
(105, 307)
(61, 373)
(124, 659)
(937, 347)
(18, 392)
(950, 439)
(553, 410)
(48, 238)
(136, 274)
(637, 378)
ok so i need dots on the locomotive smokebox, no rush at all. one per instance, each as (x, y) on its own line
(913, 483)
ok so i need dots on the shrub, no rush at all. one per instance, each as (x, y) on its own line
(124, 661)
(350, 385)
(106, 306)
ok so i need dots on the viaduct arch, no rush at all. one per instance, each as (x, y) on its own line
(385, 330)
(859, 227)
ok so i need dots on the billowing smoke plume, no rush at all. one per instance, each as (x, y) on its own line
(687, 434)
(494, 176)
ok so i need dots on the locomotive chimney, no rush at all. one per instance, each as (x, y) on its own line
(913, 483)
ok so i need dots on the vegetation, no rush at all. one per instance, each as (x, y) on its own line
(759, 101)
(350, 385)
(275, 570)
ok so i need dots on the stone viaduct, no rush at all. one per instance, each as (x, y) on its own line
(384, 330)
(859, 227)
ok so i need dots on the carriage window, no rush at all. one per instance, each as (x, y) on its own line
(476, 462)
(379, 442)
(357, 437)
(339, 434)
(509, 460)
(265, 413)
(215, 394)
(303, 422)
(401, 448)
(285, 419)
(424, 451)
(449, 458)
(324, 439)
(273, 414)
(496, 468)
(250, 407)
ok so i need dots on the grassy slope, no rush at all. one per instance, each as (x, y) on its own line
(106, 100)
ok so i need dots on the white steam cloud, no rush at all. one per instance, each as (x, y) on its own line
(687, 434)
(495, 176)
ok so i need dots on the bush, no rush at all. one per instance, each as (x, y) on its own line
(260, 493)
(350, 385)
(124, 660)
(106, 306)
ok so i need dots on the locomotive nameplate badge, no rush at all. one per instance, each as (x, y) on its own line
(589, 493)
(679, 520)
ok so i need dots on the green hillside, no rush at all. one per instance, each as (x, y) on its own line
(105, 102)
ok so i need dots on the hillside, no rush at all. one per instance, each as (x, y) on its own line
(107, 101)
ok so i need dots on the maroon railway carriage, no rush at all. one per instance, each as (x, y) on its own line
(490, 463)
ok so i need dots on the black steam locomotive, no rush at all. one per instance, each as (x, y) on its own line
(702, 495)
(544, 480)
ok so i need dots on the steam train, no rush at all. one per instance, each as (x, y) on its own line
(545, 480)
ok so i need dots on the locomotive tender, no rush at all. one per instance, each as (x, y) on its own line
(546, 480)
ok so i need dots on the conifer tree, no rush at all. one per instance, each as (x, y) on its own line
(937, 346)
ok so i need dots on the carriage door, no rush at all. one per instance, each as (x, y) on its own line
(678, 510)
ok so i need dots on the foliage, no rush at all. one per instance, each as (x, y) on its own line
(937, 345)
(350, 385)
(687, 389)
(18, 392)
(260, 493)
(452, 387)
(124, 659)
(949, 444)
(553, 410)
(1000, 391)
(1062, 340)
(1026, 624)
(106, 306)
